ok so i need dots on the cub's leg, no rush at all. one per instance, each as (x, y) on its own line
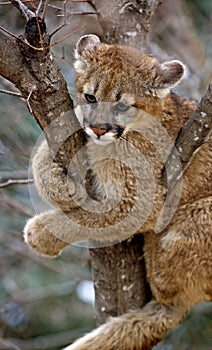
(50, 232)
(53, 230)
(52, 182)
(137, 330)
(42, 233)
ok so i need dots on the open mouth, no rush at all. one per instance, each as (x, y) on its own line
(104, 133)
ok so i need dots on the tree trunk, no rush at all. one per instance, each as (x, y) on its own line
(119, 270)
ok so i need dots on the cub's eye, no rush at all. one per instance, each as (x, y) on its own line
(90, 98)
(122, 107)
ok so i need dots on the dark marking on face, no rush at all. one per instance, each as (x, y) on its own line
(118, 96)
(96, 88)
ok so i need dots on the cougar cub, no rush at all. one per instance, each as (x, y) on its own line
(132, 119)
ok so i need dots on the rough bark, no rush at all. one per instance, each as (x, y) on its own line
(125, 22)
(120, 278)
(194, 133)
(119, 270)
(41, 83)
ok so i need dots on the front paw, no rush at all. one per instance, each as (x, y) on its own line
(40, 239)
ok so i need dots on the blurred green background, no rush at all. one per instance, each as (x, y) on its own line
(46, 303)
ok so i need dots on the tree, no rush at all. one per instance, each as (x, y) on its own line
(48, 99)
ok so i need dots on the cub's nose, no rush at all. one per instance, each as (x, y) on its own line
(100, 129)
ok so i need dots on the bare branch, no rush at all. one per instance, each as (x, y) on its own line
(66, 36)
(17, 94)
(23, 41)
(25, 1)
(194, 133)
(45, 9)
(38, 7)
(8, 32)
(26, 13)
(11, 182)
(72, 13)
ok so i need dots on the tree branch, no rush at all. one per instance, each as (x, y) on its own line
(194, 133)
(11, 182)
(128, 23)
(35, 72)
(26, 13)
(12, 93)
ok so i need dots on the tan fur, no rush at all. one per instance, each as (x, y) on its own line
(129, 196)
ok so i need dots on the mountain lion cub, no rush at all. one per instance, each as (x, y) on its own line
(131, 119)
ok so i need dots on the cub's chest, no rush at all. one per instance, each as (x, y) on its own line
(120, 169)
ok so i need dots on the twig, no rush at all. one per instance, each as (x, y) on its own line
(45, 9)
(62, 57)
(72, 13)
(66, 36)
(23, 41)
(17, 94)
(77, 13)
(11, 182)
(27, 101)
(37, 23)
(39, 7)
(10, 33)
(23, 9)
(25, 1)
(57, 30)
(46, 47)
(65, 19)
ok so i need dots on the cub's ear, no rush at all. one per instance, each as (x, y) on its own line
(168, 75)
(85, 43)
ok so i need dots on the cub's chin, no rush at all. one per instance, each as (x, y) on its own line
(102, 142)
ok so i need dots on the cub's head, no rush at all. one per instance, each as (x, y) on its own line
(115, 82)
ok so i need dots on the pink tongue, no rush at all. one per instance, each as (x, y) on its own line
(99, 132)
